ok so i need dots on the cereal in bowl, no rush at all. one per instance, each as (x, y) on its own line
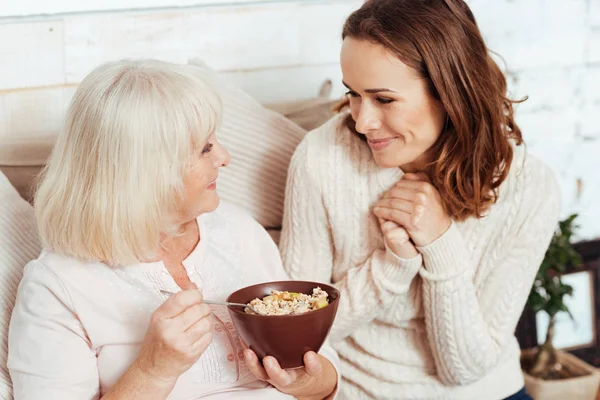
(289, 303)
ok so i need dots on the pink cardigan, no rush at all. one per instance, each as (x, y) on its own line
(76, 327)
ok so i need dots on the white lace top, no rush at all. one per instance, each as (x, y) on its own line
(77, 327)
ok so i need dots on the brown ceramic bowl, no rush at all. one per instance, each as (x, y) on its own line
(285, 337)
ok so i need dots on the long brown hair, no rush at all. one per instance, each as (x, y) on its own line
(441, 40)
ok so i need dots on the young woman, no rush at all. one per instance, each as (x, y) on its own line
(420, 203)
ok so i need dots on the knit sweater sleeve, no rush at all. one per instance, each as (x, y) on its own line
(468, 324)
(308, 251)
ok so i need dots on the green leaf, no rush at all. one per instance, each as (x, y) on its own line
(536, 301)
(553, 308)
(548, 290)
(567, 290)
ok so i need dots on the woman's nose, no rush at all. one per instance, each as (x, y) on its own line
(223, 157)
(368, 118)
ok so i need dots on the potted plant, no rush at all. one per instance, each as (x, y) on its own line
(550, 373)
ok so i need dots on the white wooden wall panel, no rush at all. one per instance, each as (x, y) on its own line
(32, 114)
(276, 51)
(37, 114)
(19, 8)
(30, 117)
(92, 40)
(321, 28)
(31, 54)
(238, 38)
(283, 84)
(228, 39)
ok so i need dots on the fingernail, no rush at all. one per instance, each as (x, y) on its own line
(248, 356)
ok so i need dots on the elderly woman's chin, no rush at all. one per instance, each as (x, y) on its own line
(214, 204)
(210, 202)
(204, 204)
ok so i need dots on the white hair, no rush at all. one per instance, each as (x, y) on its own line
(113, 181)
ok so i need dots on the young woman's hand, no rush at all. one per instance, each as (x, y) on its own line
(415, 205)
(396, 237)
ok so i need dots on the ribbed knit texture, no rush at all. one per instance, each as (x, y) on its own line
(440, 326)
(19, 244)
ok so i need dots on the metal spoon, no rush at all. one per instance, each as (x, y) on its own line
(219, 303)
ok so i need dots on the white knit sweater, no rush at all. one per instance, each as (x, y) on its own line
(441, 325)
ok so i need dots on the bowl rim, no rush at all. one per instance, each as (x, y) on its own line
(329, 288)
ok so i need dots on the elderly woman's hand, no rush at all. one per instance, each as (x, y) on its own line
(316, 380)
(415, 205)
(180, 330)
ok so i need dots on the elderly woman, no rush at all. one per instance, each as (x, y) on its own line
(127, 210)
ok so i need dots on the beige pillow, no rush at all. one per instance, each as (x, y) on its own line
(22, 178)
(22, 158)
(19, 244)
(261, 143)
(310, 113)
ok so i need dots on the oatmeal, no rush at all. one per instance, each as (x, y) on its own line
(289, 303)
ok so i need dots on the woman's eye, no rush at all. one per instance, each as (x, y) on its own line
(384, 100)
(207, 148)
(351, 93)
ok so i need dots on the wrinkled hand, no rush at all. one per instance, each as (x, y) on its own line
(316, 380)
(415, 205)
(179, 332)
